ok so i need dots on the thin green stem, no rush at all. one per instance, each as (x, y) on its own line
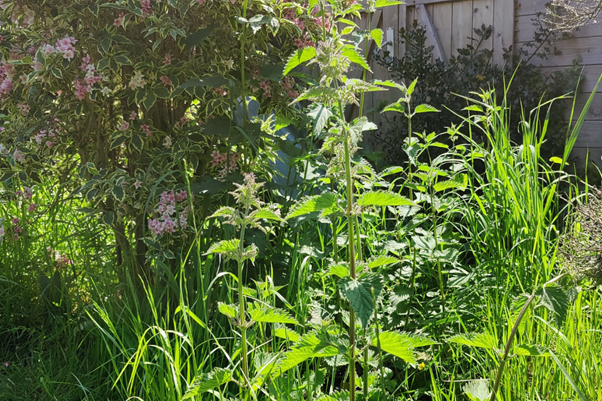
(241, 300)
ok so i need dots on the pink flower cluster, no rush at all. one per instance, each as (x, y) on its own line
(26, 193)
(17, 229)
(221, 91)
(291, 15)
(266, 87)
(7, 72)
(92, 77)
(66, 46)
(288, 87)
(119, 20)
(61, 260)
(23, 109)
(167, 210)
(146, 7)
(146, 130)
(226, 163)
(304, 41)
(47, 137)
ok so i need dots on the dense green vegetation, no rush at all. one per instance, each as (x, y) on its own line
(166, 239)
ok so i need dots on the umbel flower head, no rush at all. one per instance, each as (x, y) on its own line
(581, 245)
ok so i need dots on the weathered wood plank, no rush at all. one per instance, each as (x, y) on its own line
(410, 16)
(590, 75)
(462, 25)
(425, 19)
(589, 49)
(590, 135)
(503, 29)
(581, 155)
(595, 110)
(442, 20)
(530, 7)
(483, 15)
(526, 29)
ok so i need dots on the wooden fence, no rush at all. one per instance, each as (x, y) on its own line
(450, 24)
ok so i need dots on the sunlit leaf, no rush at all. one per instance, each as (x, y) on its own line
(208, 381)
(361, 294)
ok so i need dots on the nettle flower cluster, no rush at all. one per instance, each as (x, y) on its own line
(170, 214)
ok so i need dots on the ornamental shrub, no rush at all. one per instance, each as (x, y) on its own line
(140, 98)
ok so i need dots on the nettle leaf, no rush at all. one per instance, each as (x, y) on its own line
(477, 390)
(383, 198)
(224, 211)
(382, 260)
(425, 108)
(398, 107)
(482, 340)
(265, 213)
(359, 294)
(208, 381)
(459, 181)
(401, 345)
(531, 350)
(313, 204)
(267, 314)
(352, 54)
(340, 270)
(300, 56)
(377, 36)
(286, 334)
(226, 309)
(224, 247)
(387, 3)
(555, 300)
(320, 114)
(308, 346)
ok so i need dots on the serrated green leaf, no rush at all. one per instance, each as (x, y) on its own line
(208, 381)
(308, 346)
(224, 247)
(401, 344)
(359, 294)
(267, 214)
(352, 54)
(481, 340)
(412, 86)
(425, 108)
(313, 204)
(382, 260)
(377, 36)
(383, 198)
(531, 350)
(477, 390)
(397, 107)
(387, 3)
(555, 300)
(266, 314)
(224, 211)
(320, 114)
(300, 56)
(228, 310)
(287, 334)
(340, 270)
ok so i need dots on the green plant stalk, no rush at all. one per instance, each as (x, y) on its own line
(367, 49)
(351, 237)
(241, 300)
(500, 370)
(245, 104)
(380, 352)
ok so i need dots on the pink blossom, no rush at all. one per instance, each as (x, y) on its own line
(133, 115)
(85, 62)
(137, 184)
(146, 129)
(19, 156)
(123, 126)
(37, 66)
(181, 196)
(50, 144)
(15, 220)
(28, 193)
(47, 50)
(200, 1)
(119, 20)
(166, 81)
(167, 60)
(146, 7)
(23, 108)
(31, 207)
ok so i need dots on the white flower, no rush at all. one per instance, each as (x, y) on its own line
(105, 91)
(2, 148)
(123, 126)
(167, 142)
